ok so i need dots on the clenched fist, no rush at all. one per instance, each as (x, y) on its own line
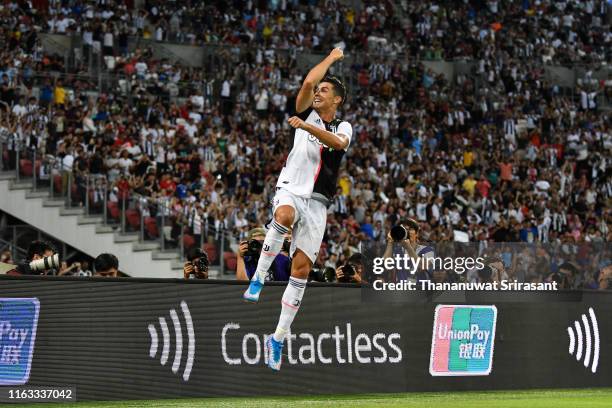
(337, 54)
(296, 122)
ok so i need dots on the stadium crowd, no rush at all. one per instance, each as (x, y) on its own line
(499, 153)
(561, 32)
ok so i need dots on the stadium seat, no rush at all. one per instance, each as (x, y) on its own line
(57, 183)
(211, 250)
(25, 167)
(113, 210)
(188, 241)
(91, 200)
(230, 260)
(132, 217)
(150, 225)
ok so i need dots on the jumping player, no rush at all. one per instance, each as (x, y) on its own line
(304, 191)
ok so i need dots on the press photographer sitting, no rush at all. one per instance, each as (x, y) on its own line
(197, 264)
(248, 255)
(352, 270)
(41, 260)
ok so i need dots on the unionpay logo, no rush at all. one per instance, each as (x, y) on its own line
(18, 322)
(462, 340)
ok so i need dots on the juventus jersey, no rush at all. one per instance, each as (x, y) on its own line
(311, 166)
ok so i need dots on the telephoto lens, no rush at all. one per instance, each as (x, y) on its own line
(399, 233)
(46, 263)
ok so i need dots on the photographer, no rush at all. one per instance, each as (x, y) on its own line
(106, 265)
(248, 256)
(407, 235)
(41, 260)
(494, 271)
(352, 271)
(197, 264)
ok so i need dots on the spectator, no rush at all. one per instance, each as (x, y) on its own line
(106, 265)
(59, 94)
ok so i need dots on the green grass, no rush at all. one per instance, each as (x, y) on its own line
(494, 399)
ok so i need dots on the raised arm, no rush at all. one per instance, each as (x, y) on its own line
(306, 94)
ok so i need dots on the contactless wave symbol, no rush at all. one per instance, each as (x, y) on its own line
(178, 336)
(591, 344)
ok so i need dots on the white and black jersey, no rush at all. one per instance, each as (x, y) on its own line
(311, 166)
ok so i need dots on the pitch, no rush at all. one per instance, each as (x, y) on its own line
(580, 398)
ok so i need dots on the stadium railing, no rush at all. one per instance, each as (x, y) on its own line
(152, 219)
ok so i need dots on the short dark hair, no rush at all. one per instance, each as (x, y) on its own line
(195, 253)
(412, 224)
(355, 259)
(38, 248)
(105, 262)
(339, 88)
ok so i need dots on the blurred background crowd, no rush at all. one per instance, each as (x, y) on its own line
(496, 154)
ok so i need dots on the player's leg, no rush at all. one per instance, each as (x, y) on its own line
(307, 237)
(284, 217)
(301, 266)
(273, 243)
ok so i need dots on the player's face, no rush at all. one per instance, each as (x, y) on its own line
(324, 96)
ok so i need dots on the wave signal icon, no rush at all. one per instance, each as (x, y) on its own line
(178, 341)
(580, 335)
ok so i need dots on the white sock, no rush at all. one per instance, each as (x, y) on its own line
(292, 298)
(271, 247)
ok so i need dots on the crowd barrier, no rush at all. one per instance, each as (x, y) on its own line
(146, 338)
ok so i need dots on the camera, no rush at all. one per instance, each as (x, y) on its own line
(322, 275)
(399, 233)
(348, 271)
(254, 248)
(46, 263)
(286, 246)
(201, 264)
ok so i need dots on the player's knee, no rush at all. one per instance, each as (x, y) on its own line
(301, 271)
(300, 266)
(284, 216)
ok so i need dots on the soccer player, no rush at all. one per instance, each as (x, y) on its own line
(304, 191)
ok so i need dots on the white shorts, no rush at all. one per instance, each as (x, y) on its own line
(309, 223)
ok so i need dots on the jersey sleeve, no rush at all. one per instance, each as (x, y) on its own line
(304, 115)
(345, 129)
